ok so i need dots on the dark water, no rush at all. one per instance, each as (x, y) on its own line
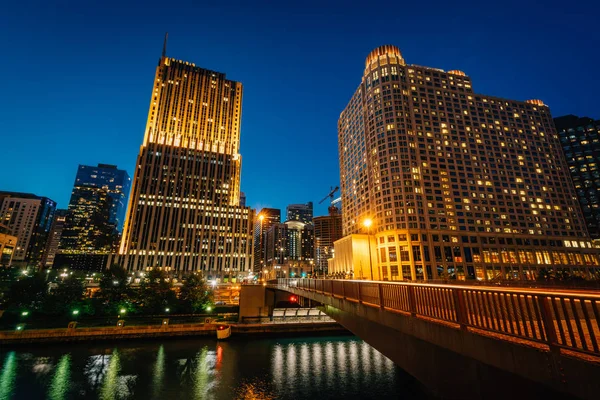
(299, 369)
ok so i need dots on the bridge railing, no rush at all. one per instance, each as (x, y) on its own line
(560, 320)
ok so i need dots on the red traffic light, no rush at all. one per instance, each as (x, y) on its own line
(293, 299)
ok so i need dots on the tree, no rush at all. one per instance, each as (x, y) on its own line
(28, 293)
(156, 292)
(194, 295)
(115, 292)
(66, 297)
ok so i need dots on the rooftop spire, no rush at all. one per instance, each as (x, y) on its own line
(164, 53)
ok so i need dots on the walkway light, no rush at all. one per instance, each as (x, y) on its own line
(123, 311)
(25, 313)
(75, 312)
(167, 309)
(209, 308)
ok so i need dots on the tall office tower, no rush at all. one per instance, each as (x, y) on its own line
(96, 204)
(184, 213)
(580, 139)
(242, 199)
(290, 241)
(457, 184)
(29, 218)
(328, 229)
(53, 242)
(300, 212)
(266, 218)
(115, 181)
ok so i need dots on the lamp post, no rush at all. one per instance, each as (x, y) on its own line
(367, 223)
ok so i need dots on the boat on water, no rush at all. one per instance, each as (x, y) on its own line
(223, 331)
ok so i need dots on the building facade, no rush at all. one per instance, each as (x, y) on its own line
(8, 243)
(300, 212)
(328, 229)
(184, 210)
(457, 184)
(266, 218)
(580, 139)
(115, 181)
(53, 242)
(29, 218)
(289, 249)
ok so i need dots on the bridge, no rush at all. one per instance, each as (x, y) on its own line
(471, 342)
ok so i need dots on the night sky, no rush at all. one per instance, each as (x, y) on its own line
(77, 76)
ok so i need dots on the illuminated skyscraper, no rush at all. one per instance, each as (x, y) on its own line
(580, 139)
(457, 184)
(300, 212)
(328, 229)
(29, 218)
(266, 218)
(184, 213)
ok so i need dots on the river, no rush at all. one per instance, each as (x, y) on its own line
(287, 368)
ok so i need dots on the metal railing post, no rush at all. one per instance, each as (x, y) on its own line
(461, 309)
(380, 289)
(358, 292)
(546, 313)
(412, 304)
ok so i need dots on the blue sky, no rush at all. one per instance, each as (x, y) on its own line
(77, 76)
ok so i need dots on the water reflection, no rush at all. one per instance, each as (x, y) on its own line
(159, 372)
(61, 381)
(299, 369)
(8, 376)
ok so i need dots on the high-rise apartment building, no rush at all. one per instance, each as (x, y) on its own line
(300, 212)
(328, 229)
(580, 139)
(29, 218)
(184, 213)
(289, 247)
(456, 184)
(266, 218)
(115, 181)
(53, 242)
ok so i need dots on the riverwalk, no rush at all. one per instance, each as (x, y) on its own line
(61, 335)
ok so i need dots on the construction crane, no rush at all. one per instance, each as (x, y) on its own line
(331, 194)
(332, 208)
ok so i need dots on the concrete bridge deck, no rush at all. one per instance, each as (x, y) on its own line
(544, 336)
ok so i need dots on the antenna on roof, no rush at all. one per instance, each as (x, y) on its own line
(164, 53)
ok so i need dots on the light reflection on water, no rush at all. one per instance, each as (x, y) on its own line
(308, 368)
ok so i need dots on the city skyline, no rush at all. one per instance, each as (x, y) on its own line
(70, 108)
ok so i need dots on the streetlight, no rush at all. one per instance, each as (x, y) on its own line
(167, 309)
(75, 312)
(367, 223)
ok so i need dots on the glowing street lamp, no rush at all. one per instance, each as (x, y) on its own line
(75, 312)
(367, 223)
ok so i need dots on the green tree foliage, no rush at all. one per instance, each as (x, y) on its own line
(114, 291)
(156, 293)
(194, 295)
(27, 293)
(67, 296)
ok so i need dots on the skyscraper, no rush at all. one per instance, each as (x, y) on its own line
(300, 212)
(580, 139)
(96, 207)
(266, 218)
(53, 242)
(29, 218)
(115, 181)
(184, 213)
(328, 229)
(457, 184)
